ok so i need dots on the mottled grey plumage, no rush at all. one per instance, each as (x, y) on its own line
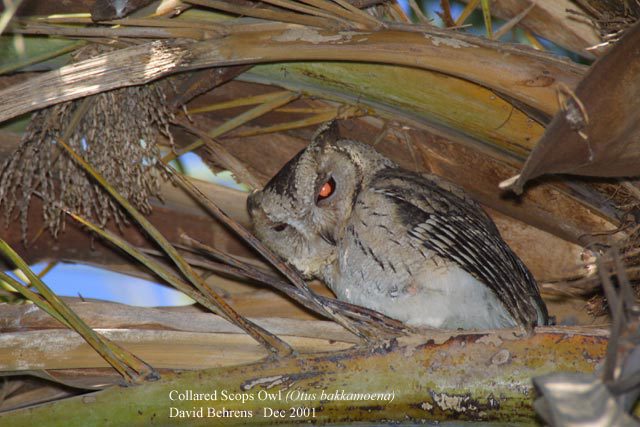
(411, 246)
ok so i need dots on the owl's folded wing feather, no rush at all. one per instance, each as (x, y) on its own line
(447, 222)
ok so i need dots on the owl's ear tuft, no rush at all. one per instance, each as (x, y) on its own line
(327, 132)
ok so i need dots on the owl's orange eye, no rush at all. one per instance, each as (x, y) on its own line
(327, 189)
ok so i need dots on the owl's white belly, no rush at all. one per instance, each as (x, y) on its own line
(439, 296)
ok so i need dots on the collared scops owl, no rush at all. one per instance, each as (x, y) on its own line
(412, 246)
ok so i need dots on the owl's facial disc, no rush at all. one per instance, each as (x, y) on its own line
(302, 213)
(281, 214)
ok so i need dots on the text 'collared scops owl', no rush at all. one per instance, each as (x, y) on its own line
(411, 246)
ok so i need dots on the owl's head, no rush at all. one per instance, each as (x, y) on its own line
(303, 211)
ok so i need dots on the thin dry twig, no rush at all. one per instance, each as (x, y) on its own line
(268, 14)
(133, 22)
(146, 32)
(236, 102)
(222, 155)
(313, 11)
(360, 15)
(371, 319)
(616, 306)
(486, 15)
(466, 12)
(513, 22)
(445, 15)
(321, 117)
(276, 100)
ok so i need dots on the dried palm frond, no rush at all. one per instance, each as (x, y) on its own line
(116, 131)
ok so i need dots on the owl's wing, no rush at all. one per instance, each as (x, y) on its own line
(447, 222)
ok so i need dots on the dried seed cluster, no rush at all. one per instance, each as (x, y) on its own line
(116, 133)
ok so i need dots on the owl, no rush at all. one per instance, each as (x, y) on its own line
(411, 246)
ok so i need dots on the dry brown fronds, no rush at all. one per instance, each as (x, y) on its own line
(611, 18)
(115, 131)
(597, 305)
